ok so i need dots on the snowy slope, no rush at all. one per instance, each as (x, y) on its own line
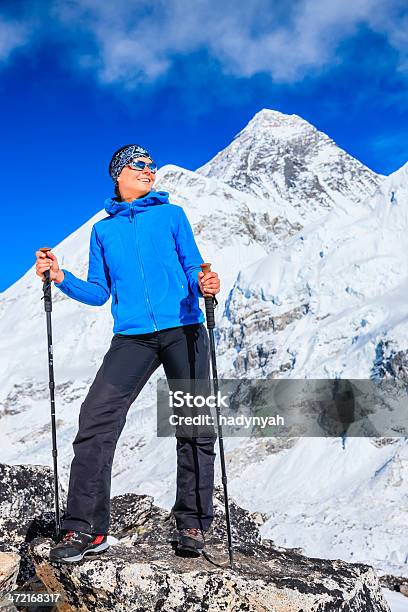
(313, 268)
(349, 503)
(396, 601)
(328, 296)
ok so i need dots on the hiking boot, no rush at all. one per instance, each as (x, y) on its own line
(76, 544)
(191, 539)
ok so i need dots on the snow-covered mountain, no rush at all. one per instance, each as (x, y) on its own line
(311, 249)
(283, 157)
(329, 298)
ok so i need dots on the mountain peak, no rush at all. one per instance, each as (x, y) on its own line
(284, 157)
(268, 115)
(280, 126)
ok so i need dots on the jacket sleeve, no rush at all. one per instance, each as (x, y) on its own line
(188, 253)
(96, 290)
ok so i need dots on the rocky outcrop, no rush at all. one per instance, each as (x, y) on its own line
(147, 576)
(142, 570)
(26, 510)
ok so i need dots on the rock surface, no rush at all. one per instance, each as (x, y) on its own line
(26, 510)
(142, 572)
(9, 566)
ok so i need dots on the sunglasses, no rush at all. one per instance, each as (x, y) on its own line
(141, 165)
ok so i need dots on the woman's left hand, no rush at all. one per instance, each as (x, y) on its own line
(209, 282)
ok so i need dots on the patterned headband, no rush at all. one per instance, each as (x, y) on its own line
(122, 157)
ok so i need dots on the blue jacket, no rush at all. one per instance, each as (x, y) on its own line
(145, 255)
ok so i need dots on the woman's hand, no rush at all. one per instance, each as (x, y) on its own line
(209, 282)
(48, 261)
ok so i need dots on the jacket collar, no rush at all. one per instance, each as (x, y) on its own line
(153, 198)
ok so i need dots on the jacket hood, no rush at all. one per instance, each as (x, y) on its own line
(153, 198)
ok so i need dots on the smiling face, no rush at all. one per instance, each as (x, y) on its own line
(135, 183)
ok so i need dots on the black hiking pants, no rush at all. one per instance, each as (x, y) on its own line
(126, 367)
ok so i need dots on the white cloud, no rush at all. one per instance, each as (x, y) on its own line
(13, 35)
(133, 43)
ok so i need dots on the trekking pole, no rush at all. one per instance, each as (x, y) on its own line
(211, 301)
(48, 309)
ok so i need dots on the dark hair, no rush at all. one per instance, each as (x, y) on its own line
(117, 192)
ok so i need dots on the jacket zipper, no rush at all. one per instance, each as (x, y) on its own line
(132, 214)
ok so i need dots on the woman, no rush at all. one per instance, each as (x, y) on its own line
(145, 255)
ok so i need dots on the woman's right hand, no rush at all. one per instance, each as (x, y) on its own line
(48, 261)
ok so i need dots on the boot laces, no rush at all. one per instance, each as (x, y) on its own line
(192, 530)
(72, 536)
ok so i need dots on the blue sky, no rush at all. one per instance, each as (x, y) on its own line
(78, 79)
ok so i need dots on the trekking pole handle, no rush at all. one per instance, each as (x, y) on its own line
(45, 249)
(47, 285)
(47, 272)
(209, 300)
